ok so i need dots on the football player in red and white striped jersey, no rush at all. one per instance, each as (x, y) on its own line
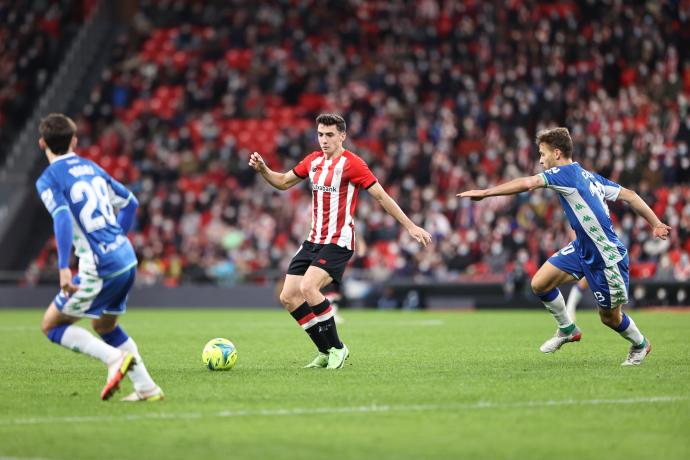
(336, 176)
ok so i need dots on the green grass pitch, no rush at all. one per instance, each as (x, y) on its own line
(423, 385)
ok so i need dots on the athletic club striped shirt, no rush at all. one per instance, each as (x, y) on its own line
(335, 184)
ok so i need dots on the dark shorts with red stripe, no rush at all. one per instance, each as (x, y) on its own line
(329, 257)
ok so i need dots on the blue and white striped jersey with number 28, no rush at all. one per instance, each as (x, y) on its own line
(583, 195)
(83, 189)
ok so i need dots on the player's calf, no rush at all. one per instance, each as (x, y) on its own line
(307, 320)
(626, 327)
(139, 375)
(567, 331)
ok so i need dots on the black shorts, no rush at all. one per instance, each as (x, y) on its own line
(329, 257)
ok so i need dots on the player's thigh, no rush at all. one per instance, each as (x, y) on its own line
(583, 284)
(303, 259)
(53, 318)
(562, 267)
(315, 278)
(549, 277)
(333, 260)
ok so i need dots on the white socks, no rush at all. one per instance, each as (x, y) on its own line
(629, 331)
(574, 298)
(557, 309)
(80, 340)
(138, 374)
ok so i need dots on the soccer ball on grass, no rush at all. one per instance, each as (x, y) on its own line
(219, 354)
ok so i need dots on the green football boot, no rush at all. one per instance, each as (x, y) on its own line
(337, 357)
(319, 362)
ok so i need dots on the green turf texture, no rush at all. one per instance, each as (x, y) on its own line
(423, 385)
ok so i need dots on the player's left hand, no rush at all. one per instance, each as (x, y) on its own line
(420, 235)
(257, 162)
(662, 230)
(66, 285)
(475, 195)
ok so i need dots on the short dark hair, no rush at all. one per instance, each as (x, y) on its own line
(557, 138)
(57, 130)
(330, 119)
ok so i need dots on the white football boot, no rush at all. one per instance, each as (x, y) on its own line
(637, 355)
(560, 339)
(154, 395)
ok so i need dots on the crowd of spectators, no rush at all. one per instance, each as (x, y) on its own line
(439, 97)
(34, 36)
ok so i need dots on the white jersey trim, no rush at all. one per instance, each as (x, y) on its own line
(335, 199)
(346, 233)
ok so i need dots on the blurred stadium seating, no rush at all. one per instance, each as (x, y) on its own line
(439, 97)
(33, 39)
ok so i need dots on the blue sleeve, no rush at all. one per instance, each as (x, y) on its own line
(560, 176)
(611, 189)
(62, 224)
(563, 179)
(56, 204)
(119, 194)
(125, 218)
(51, 195)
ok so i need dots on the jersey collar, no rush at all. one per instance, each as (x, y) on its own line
(63, 157)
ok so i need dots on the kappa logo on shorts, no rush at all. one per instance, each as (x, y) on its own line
(323, 261)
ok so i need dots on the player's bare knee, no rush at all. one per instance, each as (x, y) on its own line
(538, 286)
(48, 322)
(288, 300)
(102, 327)
(308, 289)
(46, 326)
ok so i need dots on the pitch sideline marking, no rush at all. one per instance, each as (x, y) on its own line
(372, 408)
(423, 322)
(23, 458)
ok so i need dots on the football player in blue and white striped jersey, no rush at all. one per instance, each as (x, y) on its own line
(596, 254)
(93, 212)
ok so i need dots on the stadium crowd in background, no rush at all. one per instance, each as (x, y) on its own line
(33, 38)
(439, 97)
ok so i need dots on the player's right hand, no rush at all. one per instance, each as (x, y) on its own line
(662, 230)
(66, 285)
(475, 195)
(256, 162)
(420, 235)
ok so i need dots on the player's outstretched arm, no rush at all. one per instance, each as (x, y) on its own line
(392, 208)
(519, 185)
(281, 181)
(661, 230)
